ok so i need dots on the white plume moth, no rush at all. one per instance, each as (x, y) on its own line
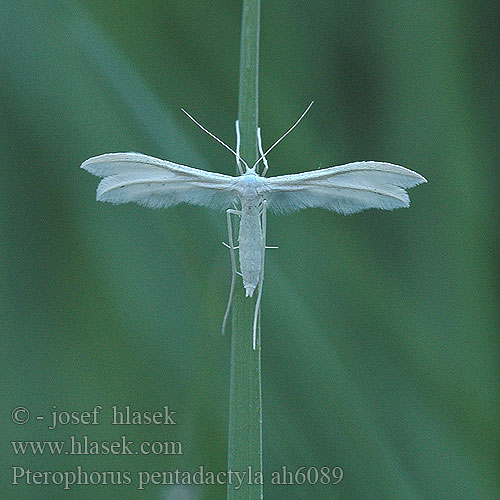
(155, 183)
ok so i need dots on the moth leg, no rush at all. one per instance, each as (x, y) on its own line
(261, 151)
(237, 246)
(256, 316)
(238, 141)
(233, 265)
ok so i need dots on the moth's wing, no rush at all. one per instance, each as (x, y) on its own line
(345, 189)
(155, 183)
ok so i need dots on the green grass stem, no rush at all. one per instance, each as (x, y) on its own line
(245, 406)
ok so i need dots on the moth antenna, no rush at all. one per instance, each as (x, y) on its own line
(284, 135)
(238, 157)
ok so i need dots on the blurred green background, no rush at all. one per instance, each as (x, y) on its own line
(380, 329)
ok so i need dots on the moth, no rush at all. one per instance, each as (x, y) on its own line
(156, 183)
